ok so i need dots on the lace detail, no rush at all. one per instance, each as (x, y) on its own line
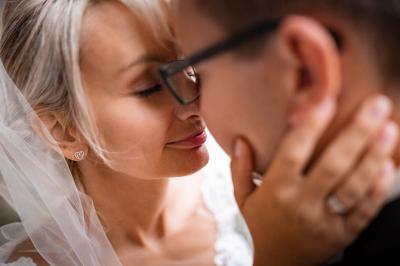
(21, 262)
(234, 244)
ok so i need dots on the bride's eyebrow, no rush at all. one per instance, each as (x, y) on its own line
(143, 59)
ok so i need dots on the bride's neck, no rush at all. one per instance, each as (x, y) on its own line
(131, 209)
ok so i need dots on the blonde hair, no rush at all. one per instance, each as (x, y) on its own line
(41, 51)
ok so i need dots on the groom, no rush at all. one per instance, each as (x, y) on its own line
(333, 50)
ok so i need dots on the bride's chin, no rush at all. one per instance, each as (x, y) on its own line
(193, 162)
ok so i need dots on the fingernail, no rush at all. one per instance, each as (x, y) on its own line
(325, 106)
(388, 169)
(323, 109)
(238, 148)
(388, 135)
(380, 108)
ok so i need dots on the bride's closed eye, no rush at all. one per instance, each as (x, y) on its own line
(149, 84)
(150, 91)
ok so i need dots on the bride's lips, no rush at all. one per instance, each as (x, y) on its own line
(194, 141)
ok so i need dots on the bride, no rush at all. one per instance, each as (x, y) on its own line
(88, 70)
(123, 149)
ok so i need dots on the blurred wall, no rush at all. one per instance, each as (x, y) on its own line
(6, 214)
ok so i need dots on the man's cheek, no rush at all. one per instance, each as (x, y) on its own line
(208, 101)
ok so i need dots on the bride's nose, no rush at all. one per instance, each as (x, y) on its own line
(189, 111)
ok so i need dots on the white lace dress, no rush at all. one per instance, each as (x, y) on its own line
(21, 262)
(233, 246)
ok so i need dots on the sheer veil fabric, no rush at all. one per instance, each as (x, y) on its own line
(36, 182)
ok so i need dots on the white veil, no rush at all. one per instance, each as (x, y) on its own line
(35, 180)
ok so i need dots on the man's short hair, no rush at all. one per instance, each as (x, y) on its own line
(380, 19)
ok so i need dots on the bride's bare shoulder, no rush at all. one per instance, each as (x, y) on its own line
(26, 250)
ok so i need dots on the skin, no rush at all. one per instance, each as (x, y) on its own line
(160, 226)
(278, 68)
(140, 205)
(288, 212)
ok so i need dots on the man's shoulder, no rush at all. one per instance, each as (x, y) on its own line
(379, 243)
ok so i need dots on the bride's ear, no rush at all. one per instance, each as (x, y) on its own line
(67, 138)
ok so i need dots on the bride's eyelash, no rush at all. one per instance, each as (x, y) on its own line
(150, 91)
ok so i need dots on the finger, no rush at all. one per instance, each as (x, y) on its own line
(348, 147)
(359, 183)
(359, 218)
(242, 167)
(298, 145)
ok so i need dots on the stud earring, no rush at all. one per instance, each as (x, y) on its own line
(79, 155)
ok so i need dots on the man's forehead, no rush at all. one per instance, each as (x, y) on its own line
(194, 30)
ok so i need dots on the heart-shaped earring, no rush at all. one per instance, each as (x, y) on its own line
(79, 155)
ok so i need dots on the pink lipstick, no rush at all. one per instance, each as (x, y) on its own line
(191, 142)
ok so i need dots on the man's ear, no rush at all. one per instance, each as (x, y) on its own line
(318, 73)
(67, 138)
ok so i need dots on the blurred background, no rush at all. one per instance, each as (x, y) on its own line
(6, 214)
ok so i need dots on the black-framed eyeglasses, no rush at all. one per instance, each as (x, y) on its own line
(176, 74)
